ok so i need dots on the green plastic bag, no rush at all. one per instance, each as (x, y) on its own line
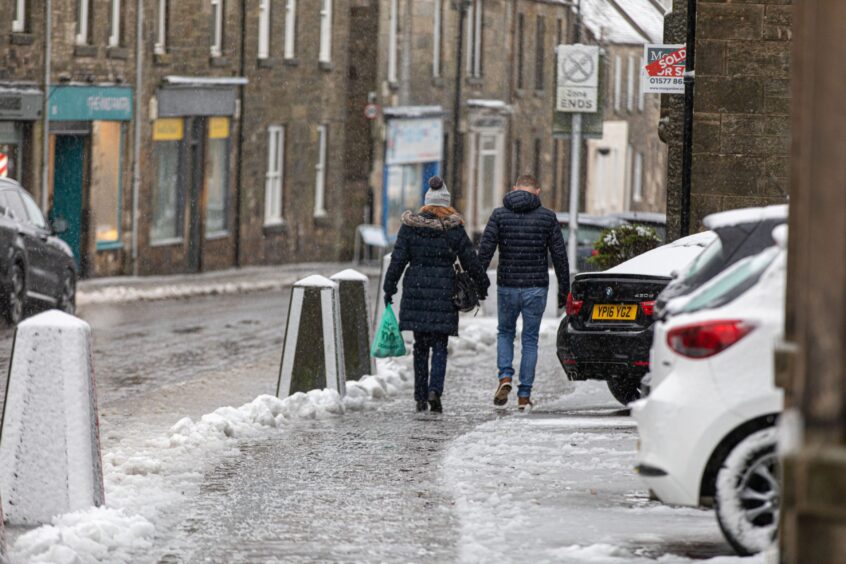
(388, 341)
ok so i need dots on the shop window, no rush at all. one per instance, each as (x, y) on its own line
(114, 34)
(217, 28)
(326, 32)
(392, 42)
(106, 148)
(274, 180)
(217, 176)
(83, 22)
(264, 29)
(404, 192)
(168, 206)
(160, 46)
(320, 172)
(290, 29)
(19, 19)
(10, 150)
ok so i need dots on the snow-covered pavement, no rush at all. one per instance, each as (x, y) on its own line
(363, 479)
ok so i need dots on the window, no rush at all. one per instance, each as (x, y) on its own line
(15, 204)
(489, 188)
(114, 33)
(216, 28)
(107, 142)
(83, 20)
(217, 176)
(520, 49)
(264, 29)
(540, 55)
(475, 17)
(392, 42)
(630, 85)
(556, 149)
(275, 175)
(517, 159)
(637, 190)
(326, 32)
(19, 21)
(320, 172)
(160, 47)
(11, 142)
(168, 200)
(618, 82)
(537, 163)
(290, 29)
(437, 46)
(640, 93)
(559, 38)
(34, 212)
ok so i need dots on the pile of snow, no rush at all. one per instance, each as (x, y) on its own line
(124, 294)
(142, 484)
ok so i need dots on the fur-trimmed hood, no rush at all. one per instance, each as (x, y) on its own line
(429, 221)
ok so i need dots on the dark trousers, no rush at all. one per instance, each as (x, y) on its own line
(424, 379)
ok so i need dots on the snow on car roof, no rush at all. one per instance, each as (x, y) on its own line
(666, 259)
(745, 215)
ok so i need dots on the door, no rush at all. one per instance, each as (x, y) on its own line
(196, 171)
(489, 182)
(68, 182)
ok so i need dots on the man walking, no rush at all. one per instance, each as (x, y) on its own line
(526, 234)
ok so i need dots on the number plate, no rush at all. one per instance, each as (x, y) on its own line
(614, 312)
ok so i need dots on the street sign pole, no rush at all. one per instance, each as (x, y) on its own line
(575, 178)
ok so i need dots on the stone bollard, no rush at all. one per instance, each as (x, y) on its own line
(355, 323)
(50, 440)
(380, 303)
(313, 352)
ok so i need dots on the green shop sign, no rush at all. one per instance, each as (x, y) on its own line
(90, 103)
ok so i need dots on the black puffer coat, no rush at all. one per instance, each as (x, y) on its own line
(526, 234)
(429, 247)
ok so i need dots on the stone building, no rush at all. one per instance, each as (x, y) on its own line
(741, 125)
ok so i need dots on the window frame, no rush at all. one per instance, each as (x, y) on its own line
(393, 32)
(274, 185)
(83, 22)
(540, 52)
(320, 171)
(19, 20)
(160, 46)
(437, 39)
(115, 24)
(475, 38)
(264, 25)
(637, 177)
(521, 50)
(326, 24)
(618, 82)
(218, 12)
(630, 85)
(641, 93)
(290, 29)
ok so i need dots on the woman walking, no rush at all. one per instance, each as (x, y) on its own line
(428, 243)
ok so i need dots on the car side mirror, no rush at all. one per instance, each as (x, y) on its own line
(59, 225)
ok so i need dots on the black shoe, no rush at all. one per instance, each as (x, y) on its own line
(422, 405)
(435, 402)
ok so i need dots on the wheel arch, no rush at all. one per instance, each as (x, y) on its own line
(708, 484)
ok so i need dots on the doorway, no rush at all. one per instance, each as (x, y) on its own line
(69, 156)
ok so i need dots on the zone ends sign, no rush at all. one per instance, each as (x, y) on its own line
(578, 79)
(663, 70)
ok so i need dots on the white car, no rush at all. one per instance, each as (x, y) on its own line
(707, 426)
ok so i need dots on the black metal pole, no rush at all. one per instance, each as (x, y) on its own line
(456, 110)
(239, 166)
(687, 146)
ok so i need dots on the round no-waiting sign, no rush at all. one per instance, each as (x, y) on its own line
(371, 111)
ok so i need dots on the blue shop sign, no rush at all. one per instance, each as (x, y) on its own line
(90, 103)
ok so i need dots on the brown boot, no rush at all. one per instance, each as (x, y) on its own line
(524, 404)
(502, 391)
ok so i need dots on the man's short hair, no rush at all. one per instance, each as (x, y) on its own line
(527, 181)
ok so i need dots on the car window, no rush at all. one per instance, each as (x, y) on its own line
(35, 215)
(587, 234)
(713, 253)
(15, 204)
(733, 282)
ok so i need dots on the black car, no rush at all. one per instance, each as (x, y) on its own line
(740, 233)
(590, 227)
(606, 333)
(36, 267)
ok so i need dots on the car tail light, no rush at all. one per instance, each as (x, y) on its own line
(573, 306)
(648, 308)
(707, 339)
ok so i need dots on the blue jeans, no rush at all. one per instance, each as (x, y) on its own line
(511, 303)
(424, 379)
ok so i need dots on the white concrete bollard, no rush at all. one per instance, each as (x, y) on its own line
(380, 303)
(50, 440)
(355, 323)
(313, 352)
(489, 307)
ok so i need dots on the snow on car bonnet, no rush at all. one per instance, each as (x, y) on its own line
(665, 260)
(745, 215)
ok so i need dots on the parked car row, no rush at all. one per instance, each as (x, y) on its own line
(704, 338)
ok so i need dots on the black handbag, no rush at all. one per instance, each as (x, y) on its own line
(465, 293)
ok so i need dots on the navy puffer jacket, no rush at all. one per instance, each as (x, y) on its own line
(526, 234)
(429, 246)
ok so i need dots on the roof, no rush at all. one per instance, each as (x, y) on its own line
(628, 22)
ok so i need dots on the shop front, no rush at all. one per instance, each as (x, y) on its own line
(87, 166)
(19, 108)
(192, 218)
(413, 154)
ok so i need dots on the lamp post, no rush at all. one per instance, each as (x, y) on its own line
(462, 6)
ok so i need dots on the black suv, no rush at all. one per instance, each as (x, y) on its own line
(36, 267)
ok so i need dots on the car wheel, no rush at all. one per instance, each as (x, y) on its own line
(15, 296)
(67, 299)
(624, 390)
(748, 493)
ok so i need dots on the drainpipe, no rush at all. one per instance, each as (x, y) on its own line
(136, 144)
(239, 167)
(687, 146)
(45, 147)
(456, 110)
